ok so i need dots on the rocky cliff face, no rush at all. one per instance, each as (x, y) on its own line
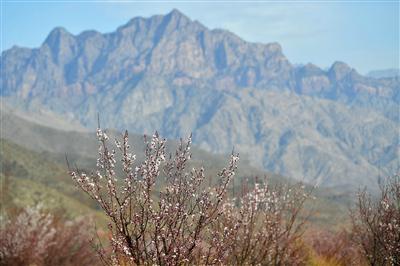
(175, 75)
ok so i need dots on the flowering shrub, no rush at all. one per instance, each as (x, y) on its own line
(34, 237)
(376, 224)
(264, 228)
(186, 221)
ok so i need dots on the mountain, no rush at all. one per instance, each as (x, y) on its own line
(169, 73)
(384, 73)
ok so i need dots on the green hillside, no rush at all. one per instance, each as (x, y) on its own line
(29, 178)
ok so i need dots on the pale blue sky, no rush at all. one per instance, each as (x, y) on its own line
(363, 34)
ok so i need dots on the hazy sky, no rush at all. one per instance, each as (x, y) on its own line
(364, 34)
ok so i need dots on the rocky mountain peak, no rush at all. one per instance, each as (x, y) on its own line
(57, 35)
(88, 34)
(61, 44)
(310, 70)
(339, 70)
(174, 20)
(176, 14)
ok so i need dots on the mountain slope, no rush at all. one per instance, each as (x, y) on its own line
(174, 75)
(33, 158)
(81, 147)
(28, 178)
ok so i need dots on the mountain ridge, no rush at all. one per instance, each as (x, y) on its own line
(172, 74)
(384, 73)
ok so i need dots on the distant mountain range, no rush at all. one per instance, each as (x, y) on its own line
(385, 73)
(172, 74)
